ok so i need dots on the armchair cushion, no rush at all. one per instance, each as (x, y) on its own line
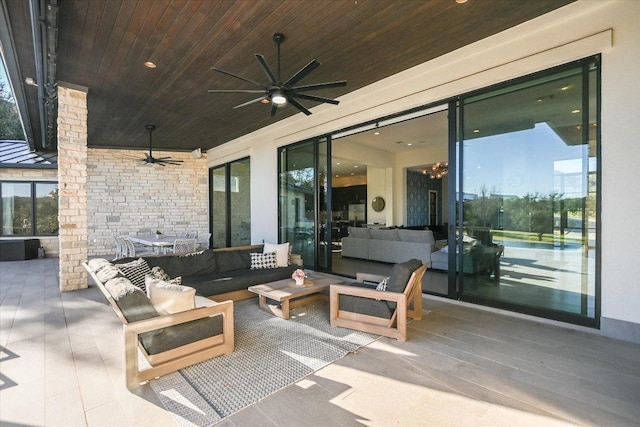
(367, 306)
(400, 274)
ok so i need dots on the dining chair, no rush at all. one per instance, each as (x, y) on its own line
(184, 246)
(204, 241)
(133, 251)
(121, 248)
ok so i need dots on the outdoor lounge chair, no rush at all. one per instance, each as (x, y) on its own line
(367, 309)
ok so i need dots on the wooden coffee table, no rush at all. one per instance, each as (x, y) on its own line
(289, 296)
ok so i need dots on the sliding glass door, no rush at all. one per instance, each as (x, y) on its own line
(528, 193)
(303, 201)
(231, 204)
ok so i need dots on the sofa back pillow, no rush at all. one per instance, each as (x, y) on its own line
(186, 265)
(401, 273)
(235, 259)
(380, 234)
(359, 232)
(131, 301)
(416, 236)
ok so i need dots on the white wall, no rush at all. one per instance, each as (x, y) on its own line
(575, 31)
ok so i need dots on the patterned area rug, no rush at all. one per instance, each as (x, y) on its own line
(270, 353)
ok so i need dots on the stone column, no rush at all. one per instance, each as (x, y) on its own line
(72, 183)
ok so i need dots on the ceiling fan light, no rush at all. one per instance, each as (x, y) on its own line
(278, 98)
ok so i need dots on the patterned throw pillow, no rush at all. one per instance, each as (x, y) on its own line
(159, 273)
(135, 271)
(382, 286)
(261, 261)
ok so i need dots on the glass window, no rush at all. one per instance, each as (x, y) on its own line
(46, 208)
(21, 201)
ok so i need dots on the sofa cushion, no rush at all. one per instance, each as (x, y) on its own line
(171, 337)
(380, 234)
(131, 301)
(359, 232)
(236, 280)
(282, 252)
(194, 264)
(135, 271)
(400, 274)
(263, 261)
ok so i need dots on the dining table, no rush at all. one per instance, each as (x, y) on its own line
(158, 242)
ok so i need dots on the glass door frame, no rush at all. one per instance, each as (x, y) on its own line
(456, 170)
(322, 253)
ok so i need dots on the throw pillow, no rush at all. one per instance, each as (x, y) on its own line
(261, 261)
(159, 273)
(382, 286)
(282, 253)
(135, 271)
(169, 298)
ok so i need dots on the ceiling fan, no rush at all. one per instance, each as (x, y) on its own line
(162, 161)
(276, 92)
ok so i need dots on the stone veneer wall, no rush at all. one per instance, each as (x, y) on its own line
(72, 184)
(126, 196)
(49, 243)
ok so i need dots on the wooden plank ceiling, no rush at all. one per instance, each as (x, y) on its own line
(102, 44)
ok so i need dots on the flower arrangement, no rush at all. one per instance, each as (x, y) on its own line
(299, 275)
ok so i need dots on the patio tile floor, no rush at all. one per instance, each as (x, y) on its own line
(61, 364)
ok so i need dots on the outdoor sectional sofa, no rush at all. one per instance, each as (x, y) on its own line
(175, 326)
(393, 245)
(218, 274)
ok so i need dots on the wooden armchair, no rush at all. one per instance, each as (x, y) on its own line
(380, 312)
(172, 341)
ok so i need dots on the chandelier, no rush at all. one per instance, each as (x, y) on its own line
(437, 171)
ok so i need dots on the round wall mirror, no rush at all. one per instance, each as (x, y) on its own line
(377, 204)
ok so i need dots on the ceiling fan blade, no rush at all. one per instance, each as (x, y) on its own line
(238, 77)
(265, 67)
(320, 86)
(274, 108)
(302, 73)
(235, 91)
(314, 98)
(299, 106)
(251, 102)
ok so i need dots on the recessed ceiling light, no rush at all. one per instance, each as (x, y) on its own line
(564, 88)
(337, 176)
(461, 1)
(355, 166)
(376, 133)
(337, 163)
(576, 111)
(409, 144)
(149, 64)
(352, 173)
(476, 131)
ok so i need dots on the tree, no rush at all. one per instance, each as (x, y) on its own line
(10, 126)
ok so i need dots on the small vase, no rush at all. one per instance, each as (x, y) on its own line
(299, 282)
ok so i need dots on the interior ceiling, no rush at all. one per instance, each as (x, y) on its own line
(102, 45)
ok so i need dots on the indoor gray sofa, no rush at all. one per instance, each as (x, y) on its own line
(393, 245)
